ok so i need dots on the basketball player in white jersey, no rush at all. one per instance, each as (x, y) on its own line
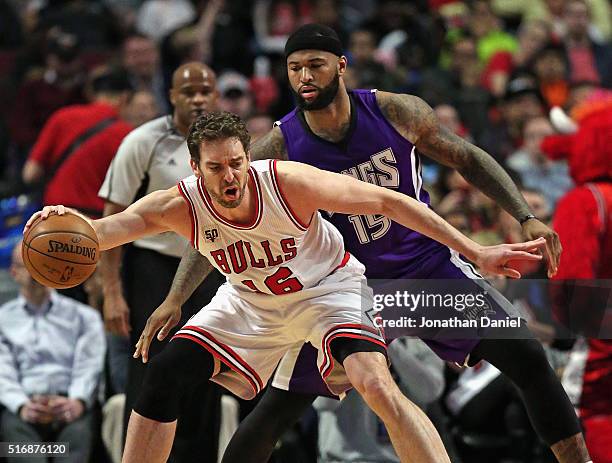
(288, 280)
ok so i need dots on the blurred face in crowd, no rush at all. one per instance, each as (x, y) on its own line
(556, 7)
(258, 126)
(193, 93)
(538, 204)
(142, 108)
(448, 117)
(20, 274)
(362, 46)
(236, 101)
(533, 36)
(577, 18)
(140, 56)
(314, 76)
(463, 54)
(550, 66)
(534, 132)
(482, 20)
(520, 108)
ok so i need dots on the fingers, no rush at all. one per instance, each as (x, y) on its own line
(32, 219)
(556, 245)
(44, 214)
(166, 329)
(142, 346)
(551, 259)
(524, 255)
(528, 245)
(509, 272)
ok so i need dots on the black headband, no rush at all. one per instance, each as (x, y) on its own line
(314, 37)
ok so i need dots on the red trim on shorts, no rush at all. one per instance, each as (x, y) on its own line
(326, 368)
(284, 203)
(194, 218)
(208, 202)
(218, 356)
(257, 384)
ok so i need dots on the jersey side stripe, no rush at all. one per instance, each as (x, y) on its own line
(194, 217)
(294, 218)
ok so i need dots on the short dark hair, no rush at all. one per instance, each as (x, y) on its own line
(113, 81)
(217, 125)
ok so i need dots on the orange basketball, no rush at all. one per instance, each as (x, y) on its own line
(61, 251)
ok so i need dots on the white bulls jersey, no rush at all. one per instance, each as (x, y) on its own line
(275, 253)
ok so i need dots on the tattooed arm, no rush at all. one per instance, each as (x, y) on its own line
(416, 121)
(269, 146)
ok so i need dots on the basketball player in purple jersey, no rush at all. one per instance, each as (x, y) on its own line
(377, 137)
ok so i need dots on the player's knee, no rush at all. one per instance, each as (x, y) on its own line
(373, 384)
(169, 375)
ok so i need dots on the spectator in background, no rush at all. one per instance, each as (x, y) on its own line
(458, 83)
(588, 60)
(550, 67)
(522, 101)
(142, 108)
(93, 23)
(367, 71)
(140, 57)
(52, 356)
(44, 91)
(487, 28)
(554, 13)
(156, 18)
(235, 94)
(78, 143)
(275, 20)
(536, 171)
(258, 125)
(449, 118)
(350, 432)
(532, 36)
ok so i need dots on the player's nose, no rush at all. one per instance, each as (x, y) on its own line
(306, 75)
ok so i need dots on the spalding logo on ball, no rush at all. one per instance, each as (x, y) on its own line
(61, 251)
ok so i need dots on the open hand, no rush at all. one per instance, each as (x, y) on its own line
(496, 259)
(166, 316)
(48, 210)
(533, 229)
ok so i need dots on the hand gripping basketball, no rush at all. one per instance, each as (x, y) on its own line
(60, 248)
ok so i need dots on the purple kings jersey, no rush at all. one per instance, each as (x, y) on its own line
(372, 151)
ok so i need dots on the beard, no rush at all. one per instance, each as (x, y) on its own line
(225, 203)
(324, 98)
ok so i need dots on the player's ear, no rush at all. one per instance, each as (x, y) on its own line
(172, 95)
(342, 63)
(194, 167)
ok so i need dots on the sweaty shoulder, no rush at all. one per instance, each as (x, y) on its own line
(409, 114)
(269, 146)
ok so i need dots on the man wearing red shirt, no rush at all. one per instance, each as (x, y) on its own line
(76, 145)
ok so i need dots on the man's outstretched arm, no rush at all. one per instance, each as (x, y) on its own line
(417, 122)
(309, 189)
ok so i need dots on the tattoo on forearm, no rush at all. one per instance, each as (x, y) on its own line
(191, 272)
(269, 146)
(417, 122)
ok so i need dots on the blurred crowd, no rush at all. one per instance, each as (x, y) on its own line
(491, 69)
